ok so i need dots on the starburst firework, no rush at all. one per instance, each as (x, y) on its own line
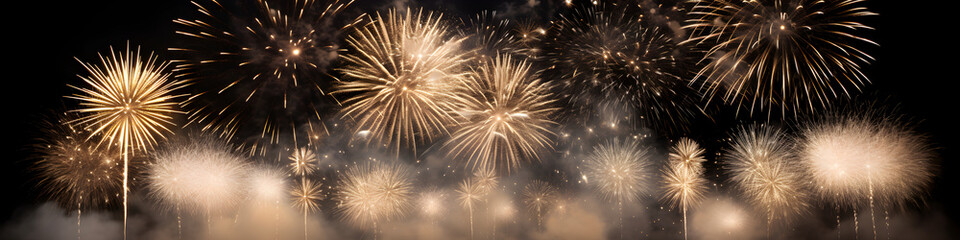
(73, 171)
(307, 195)
(607, 56)
(619, 170)
(506, 117)
(374, 192)
(796, 54)
(303, 161)
(130, 101)
(759, 164)
(260, 66)
(539, 196)
(402, 72)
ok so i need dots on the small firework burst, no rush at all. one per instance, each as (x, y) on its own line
(684, 185)
(402, 73)
(619, 170)
(606, 55)
(687, 155)
(374, 192)
(306, 195)
(73, 171)
(506, 116)
(203, 175)
(303, 161)
(795, 55)
(260, 66)
(539, 196)
(759, 164)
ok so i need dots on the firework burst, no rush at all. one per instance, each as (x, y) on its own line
(303, 161)
(798, 55)
(247, 57)
(539, 196)
(130, 101)
(374, 192)
(606, 55)
(201, 175)
(470, 193)
(73, 171)
(687, 156)
(402, 72)
(758, 162)
(307, 195)
(620, 171)
(849, 156)
(506, 117)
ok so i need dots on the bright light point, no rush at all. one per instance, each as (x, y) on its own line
(296, 51)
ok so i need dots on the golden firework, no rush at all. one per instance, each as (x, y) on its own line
(758, 162)
(403, 72)
(129, 102)
(507, 116)
(374, 192)
(795, 55)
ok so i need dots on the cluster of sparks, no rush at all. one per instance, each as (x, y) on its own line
(409, 78)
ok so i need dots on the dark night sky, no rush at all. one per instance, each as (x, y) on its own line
(911, 70)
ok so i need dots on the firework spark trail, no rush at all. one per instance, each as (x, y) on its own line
(202, 175)
(619, 170)
(241, 64)
(863, 157)
(606, 56)
(129, 102)
(402, 72)
(507, 116)
(374, 192)
(759, 164)
(683, 182)
(538, 196)
(799, 55)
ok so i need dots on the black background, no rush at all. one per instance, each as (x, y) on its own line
(914, 70)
